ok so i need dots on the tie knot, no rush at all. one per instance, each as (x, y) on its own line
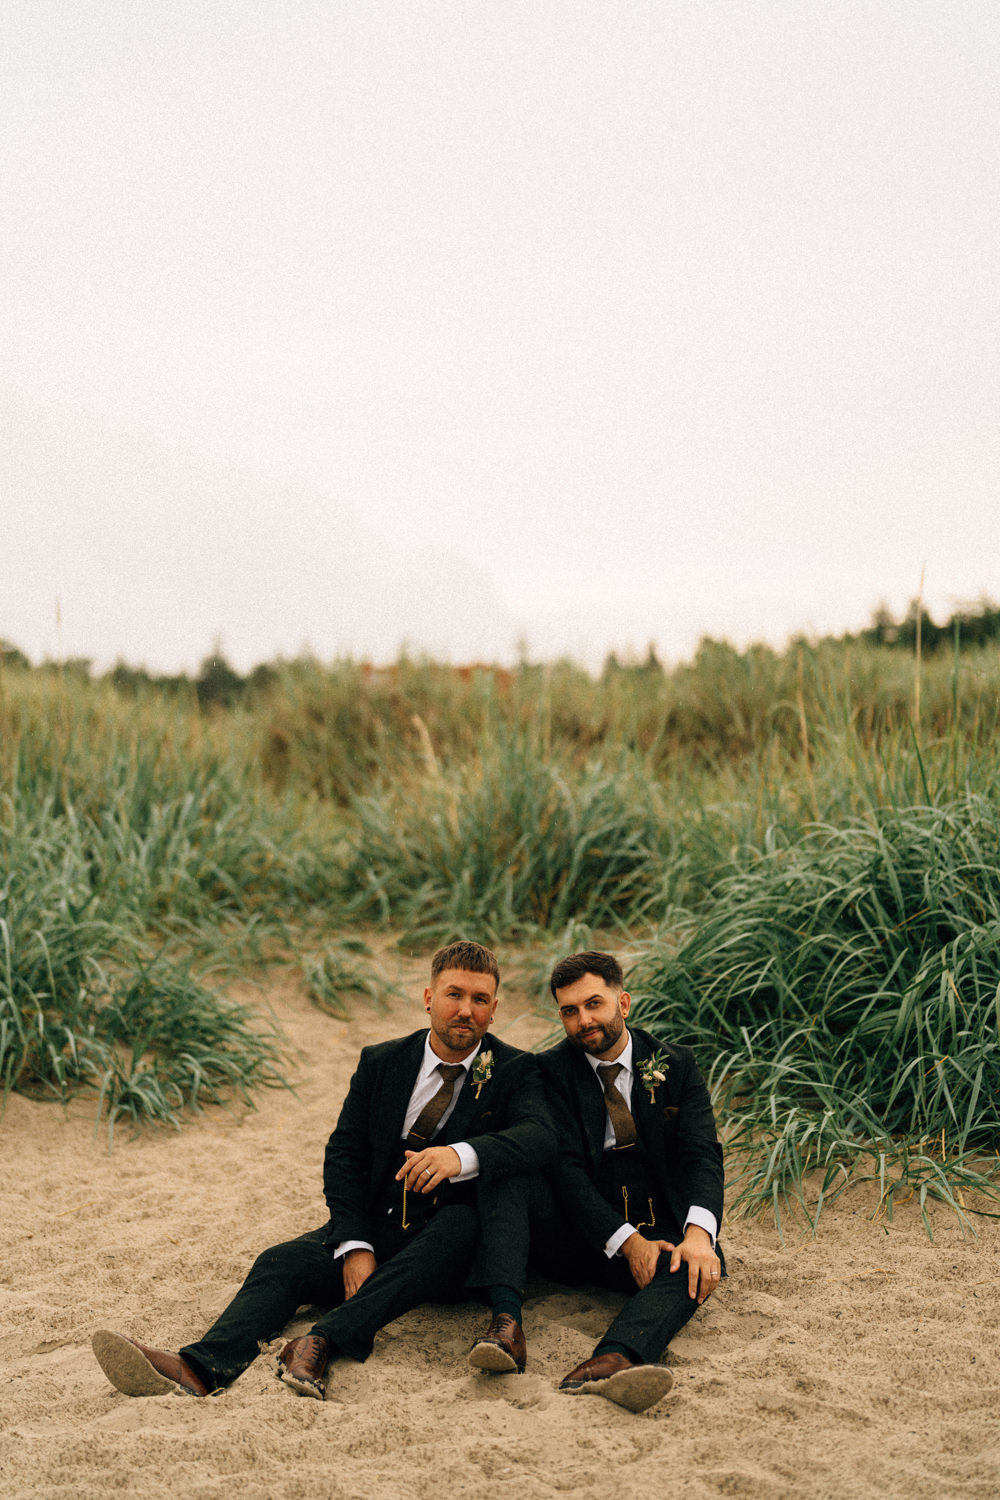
(609, 1072)
(450, 1071)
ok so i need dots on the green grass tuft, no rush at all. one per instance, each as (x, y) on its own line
(847, 988)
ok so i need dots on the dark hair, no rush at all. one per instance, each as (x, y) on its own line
(569, 970)
(472, 957)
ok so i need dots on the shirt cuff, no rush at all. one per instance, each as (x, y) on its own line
(346, 1245)
(705, 1219)
(617, 1240)
(469, 1160)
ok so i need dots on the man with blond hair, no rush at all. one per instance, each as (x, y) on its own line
(430, 1122)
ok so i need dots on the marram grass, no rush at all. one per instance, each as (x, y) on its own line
(508, 844)
(114, 874)
(819, 834)
(846, 987)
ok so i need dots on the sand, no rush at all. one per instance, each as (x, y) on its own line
(861, 1362)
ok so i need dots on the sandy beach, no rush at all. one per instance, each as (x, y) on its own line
(862, 1362)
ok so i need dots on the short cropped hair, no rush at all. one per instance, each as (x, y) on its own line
(472, 957)
(569, 970)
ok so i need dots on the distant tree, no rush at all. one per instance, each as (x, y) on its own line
(883, 630)
(977, 624)
(217, 683)
(180, 683)
(10, 656)
(128, 681)
(931, 635)
(652, 666)
(262, 677)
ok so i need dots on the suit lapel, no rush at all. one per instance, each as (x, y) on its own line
(467, 1107)
(400, 1076)
(647, 1111)
(590, 1099)
(467, 1117)
(643, 1108)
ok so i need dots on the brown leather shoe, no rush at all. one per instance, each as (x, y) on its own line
(136, 1370)
(302, 1365)
(501, 1348)
(616, 1377)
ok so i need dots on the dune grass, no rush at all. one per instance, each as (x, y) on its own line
(86, 1003)
(507, 845)
(846, 988)
(801, 851)
(124, 868)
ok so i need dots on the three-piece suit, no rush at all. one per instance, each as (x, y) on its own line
(675, 1163)
(423, 1244)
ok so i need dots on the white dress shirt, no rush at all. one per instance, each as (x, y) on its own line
(703, 1217)
(426, 1086)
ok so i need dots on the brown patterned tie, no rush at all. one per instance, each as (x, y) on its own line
(620, 1115)
(429, 1118)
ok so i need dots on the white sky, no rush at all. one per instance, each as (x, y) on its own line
(343, 324)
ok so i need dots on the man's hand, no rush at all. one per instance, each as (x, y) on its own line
(358, 1266)
(643, 1257)
(427, 1169)
(704, 1266)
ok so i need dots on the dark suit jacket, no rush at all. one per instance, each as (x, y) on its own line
(677, 1129)
(508, 1126)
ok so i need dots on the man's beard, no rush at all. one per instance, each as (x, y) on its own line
(603, 1038)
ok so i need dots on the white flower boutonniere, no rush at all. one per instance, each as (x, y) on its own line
(653, 1071)
(482, 1071)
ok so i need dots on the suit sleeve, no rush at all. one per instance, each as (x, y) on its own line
(696, 1149)
(522, 1139)
(347, 1161)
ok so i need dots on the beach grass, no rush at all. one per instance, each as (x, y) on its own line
(130, 861)
(845, 986)
(799, 847)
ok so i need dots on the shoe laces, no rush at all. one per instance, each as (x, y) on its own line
(314, 1346)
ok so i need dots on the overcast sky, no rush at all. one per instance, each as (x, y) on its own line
(577, 325)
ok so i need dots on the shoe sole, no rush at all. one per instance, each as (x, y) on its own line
(635, 1389)
(493, 1357)
(302, 1387)
(127, 1367)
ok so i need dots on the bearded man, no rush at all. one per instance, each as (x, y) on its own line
(637, 1182)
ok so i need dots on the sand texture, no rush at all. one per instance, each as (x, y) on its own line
(863, 1362)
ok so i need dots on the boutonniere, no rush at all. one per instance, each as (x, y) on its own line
(482, 1071)
(653, 1072)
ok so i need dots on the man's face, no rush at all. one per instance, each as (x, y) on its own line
(593, 1015)
(461, 1006)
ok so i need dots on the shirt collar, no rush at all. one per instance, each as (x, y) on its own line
(624, 1058)
(431, 1058)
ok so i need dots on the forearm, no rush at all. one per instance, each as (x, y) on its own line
(346, 1162)
(522, 1138)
